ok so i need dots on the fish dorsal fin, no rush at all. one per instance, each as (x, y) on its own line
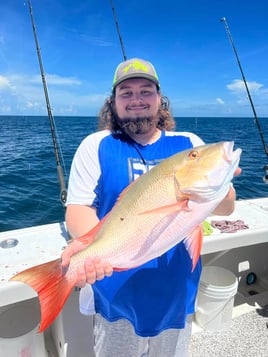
(126, 189)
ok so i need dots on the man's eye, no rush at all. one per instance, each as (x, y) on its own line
(146, 92)
(126, 94)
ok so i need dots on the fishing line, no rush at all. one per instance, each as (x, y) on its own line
(132, 143)
(118, 31)
(58, 157)
(265, 178)
(125, 58)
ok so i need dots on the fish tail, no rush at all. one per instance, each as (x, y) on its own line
(52, 286)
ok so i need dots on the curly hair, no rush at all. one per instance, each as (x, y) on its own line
(107, 117)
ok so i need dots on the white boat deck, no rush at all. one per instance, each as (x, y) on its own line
(34, 246)
(254, 213)
(241, 252)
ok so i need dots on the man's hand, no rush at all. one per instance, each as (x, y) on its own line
(92, 270)
(227, 206)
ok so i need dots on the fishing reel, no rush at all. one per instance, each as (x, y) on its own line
(265, 177)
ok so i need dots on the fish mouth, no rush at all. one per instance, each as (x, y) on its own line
(231, 156)
(216, 182)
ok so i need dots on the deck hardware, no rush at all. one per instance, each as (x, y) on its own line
(9, 243)
(251, 278)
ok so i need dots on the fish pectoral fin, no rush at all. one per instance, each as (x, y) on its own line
(169, 209)
(193, 244)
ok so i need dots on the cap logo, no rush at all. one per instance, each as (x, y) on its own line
(136, 66)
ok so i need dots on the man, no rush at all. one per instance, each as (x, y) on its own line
(144, 311)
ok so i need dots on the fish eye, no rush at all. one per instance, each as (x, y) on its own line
(193, 155)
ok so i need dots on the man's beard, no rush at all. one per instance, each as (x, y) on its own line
(139, 125)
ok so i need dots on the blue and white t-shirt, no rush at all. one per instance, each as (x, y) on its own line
(161, 293)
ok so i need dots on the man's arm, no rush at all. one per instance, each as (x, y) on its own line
(80, 220)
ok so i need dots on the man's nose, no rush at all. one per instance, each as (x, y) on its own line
(137, 96)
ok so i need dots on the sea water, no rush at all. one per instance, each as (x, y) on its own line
(29, 188)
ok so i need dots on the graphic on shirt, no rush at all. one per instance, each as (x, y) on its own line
(137, 167)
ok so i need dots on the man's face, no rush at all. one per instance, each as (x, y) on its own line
(137, 102)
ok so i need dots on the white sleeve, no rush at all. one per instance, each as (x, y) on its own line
(195, 140)
(85, 170)
(86, 300)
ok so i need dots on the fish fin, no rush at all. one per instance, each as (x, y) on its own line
(52, 286)
(120, 269)
(126, 189)
(168, 209)
(193, 244)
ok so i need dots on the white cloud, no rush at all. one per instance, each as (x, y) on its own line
(54, 79)
(22, 94)
(4, 82)
(238, 86)
(219, 101)
(258, 93)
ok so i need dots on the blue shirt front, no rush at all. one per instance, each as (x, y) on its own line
(161, 293)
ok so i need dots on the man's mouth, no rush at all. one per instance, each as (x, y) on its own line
(137, 108)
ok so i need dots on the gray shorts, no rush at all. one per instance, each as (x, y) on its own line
(118, 339)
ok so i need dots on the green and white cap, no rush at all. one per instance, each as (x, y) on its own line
(135, 68)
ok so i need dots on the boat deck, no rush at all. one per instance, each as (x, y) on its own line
(242, 253)
(247, 335)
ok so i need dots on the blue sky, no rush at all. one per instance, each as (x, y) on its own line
(184, 39)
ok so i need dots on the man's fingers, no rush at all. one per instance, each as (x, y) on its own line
(238, 171)
(69, 251)
(90, 271)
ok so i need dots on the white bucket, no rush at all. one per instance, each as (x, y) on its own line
(18, 331)
(215, 299)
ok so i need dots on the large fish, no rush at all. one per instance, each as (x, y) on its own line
(153, 214)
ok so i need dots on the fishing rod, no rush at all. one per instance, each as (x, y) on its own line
(265, 178)
(118, 31)
(63, 190)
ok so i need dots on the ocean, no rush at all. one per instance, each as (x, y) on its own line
(29, 188)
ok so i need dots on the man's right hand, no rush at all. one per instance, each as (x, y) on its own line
(90, 271)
